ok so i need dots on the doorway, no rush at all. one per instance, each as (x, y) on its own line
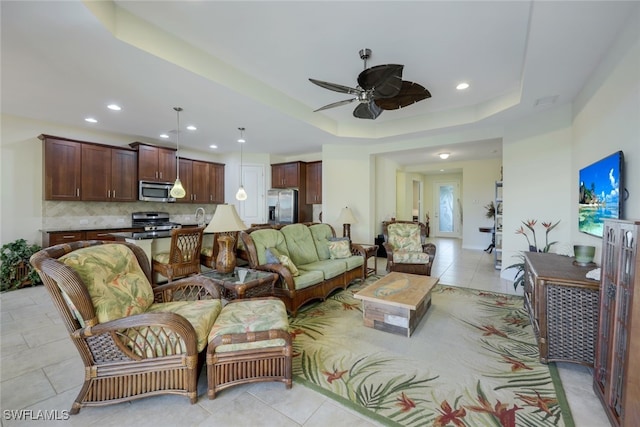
(417, 200)
(448, 216)
(252, 210)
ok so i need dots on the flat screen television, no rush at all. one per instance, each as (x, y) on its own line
(601, 185)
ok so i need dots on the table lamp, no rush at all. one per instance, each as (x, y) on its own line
(225, 220)
(346, 218)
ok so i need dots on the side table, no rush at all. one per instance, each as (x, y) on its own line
(243, 283)
(370, 251)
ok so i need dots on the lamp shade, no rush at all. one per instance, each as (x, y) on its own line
(346, 216)
(225, 219)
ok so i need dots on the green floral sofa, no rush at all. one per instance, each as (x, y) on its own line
(406, 249)
(310, 261)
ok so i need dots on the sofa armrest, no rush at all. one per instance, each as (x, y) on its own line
(282, 271)
(357, 249)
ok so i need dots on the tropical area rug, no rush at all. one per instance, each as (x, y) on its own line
(472, 361)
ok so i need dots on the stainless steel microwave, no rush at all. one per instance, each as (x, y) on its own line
(155, 191)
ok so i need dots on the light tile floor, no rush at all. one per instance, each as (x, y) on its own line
(41, 370)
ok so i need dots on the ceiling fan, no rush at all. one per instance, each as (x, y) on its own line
(379, 88)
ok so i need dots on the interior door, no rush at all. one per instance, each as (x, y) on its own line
(253, 210)
(447, 217)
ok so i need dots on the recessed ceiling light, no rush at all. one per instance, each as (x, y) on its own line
(164, 135)
(444, 156)
(114, 107)
(90, 120)
(191, 127)
(214, 146)
(462, 86)
(441, 170)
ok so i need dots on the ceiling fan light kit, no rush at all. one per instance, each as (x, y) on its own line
(379, 88)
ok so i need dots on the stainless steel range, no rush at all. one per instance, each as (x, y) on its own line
(155, 224)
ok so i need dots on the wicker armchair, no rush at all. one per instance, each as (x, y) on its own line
(406, 249)
(183, 259)
(134, 340)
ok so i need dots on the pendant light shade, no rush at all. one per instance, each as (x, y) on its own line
(177, 191)
(241, 194)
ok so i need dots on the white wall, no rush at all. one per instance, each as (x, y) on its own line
(537, 180)
(607, 119)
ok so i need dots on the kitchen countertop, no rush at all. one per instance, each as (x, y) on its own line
(87, 228)
(148, 235)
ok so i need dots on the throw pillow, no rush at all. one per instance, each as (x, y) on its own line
(286, 261)
(339, 249)
(272, 254)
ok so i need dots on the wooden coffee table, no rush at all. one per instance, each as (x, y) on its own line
(397, 302)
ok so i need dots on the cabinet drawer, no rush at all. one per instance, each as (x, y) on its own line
(101, 235)
(66, 237)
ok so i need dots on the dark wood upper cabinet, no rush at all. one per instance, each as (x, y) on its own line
(200, 182)
(155, 163)
(108, 174)
(186, 172)
(216, 183)
(314, 183)
(124, 176)
(96, 172)
(62, 168)
(288, 175)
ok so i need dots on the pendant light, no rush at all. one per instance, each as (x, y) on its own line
(241, 194)
(177, 191)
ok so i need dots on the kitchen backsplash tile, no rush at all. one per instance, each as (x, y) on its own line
(58, 215)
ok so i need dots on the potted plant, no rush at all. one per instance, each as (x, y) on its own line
(519, 266)
(16, 271)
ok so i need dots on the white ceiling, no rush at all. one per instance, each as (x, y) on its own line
(241, 63)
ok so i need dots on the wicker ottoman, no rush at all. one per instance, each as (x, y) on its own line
(249, 342)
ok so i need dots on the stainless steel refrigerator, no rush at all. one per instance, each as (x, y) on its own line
(283, 206)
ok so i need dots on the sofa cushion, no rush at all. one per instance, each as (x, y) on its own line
(201, 314)
(407, 257)
(339, 248)
(354, 261)
(308, 278)
(322, 233)
(405, 237)
(117, 285)
(250, 316)
(302, 249)
(268, 238)
(329, 268)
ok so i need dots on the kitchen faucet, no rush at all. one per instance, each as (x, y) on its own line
(200, 216)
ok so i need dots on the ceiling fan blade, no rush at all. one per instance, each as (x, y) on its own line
(384, 80)
(367, 110)
(336, 104)
(335, 87)
(410, 93)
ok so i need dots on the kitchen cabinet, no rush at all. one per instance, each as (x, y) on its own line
(563, 307)
(108, 174)
(56, 237)
(202, 181)
(86, 171)
(155, 163)
(62, 168)
(314, 183)
(288, 175)
(617, 365)
(186, 172)
(216, 183)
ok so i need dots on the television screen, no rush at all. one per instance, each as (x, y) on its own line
(599, 193)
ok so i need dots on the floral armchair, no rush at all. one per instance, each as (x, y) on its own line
(134, 340)
(406, 249)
